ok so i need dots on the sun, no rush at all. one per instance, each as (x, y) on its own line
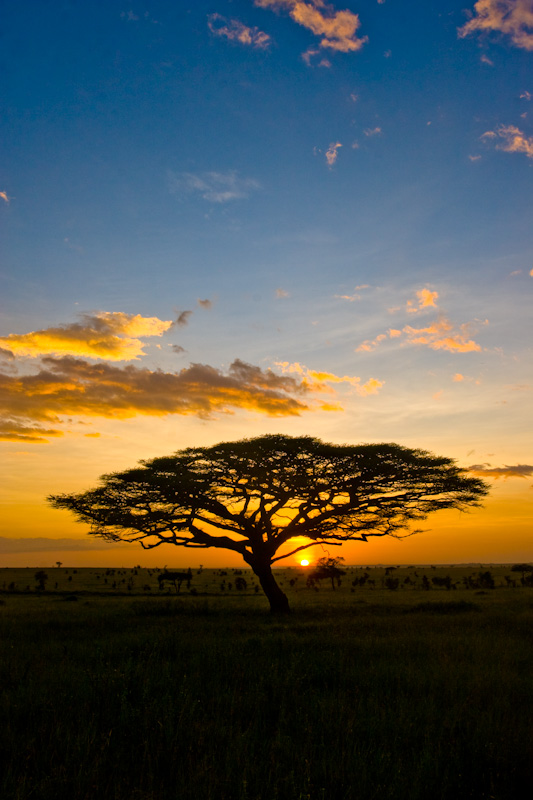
(304, 562)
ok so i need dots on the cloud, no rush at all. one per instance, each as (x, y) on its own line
(486, 60)
(439, 335)
(182, 319)
(207, 304)
(316, 381)
(15, 429)
(178, 349)
(458, 378)
(310, 54)
(331, 153)
(337, 28)
(355, 296)
(130, 16)
(514, 141)
(43, 544)
(6, 354)
(67, 387)
(372, 132)
(4, 197)
(526, 96)
(236, 31)
(488, 471)
(425, 298)
(215, 187)
(111, 335)
(281, 293)
(513, 18)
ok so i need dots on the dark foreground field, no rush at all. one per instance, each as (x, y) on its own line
(371, 693)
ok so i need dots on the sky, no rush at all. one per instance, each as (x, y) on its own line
(225, 219)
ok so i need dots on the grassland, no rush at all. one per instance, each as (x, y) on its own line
(363, 692)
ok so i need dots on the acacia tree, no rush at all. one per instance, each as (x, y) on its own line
(256, 496)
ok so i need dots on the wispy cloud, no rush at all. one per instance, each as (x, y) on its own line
(526, 96)
(205, 304)
(111, 335)
(439, 335)
(514, 141)
(373, 131)
(317, 381)
(4, 197)
(488, 471)
(215, 187)
(237, 31)
(331, 153)
(182, 319)
(513, 18)
(337, 29)
(355, 296)
(281, 293)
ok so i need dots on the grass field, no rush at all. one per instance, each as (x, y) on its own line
(362, 692)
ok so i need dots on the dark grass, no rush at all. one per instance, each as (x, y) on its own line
(211, 698)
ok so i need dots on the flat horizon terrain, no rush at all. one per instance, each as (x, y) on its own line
(221, 582)
(376, 690)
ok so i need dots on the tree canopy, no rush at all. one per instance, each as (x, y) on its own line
(256, 495)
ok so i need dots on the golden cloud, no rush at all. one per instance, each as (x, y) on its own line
(514, 141)
(13, 429)
(236, 31)
(514, 18)
(440, 335)
(4, 197)
(316, 381)
(337, 28)
(425, 299)
(110, 335)
(74, 387)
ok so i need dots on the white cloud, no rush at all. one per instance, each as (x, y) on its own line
(215, 187)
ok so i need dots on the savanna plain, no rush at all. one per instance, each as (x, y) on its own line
(412, 682)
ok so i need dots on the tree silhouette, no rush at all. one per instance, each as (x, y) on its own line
(256, 495)
(327, 568)
(41, 577)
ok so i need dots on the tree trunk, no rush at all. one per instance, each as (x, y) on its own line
(279, 603)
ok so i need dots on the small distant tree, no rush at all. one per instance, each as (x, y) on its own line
(258, 496)
(59, 564)
(525, 578)
(327, 568)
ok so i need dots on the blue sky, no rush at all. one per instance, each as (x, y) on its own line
(339, 194)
